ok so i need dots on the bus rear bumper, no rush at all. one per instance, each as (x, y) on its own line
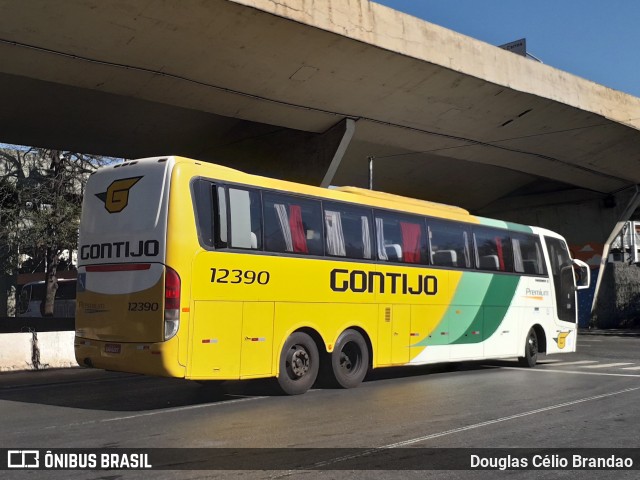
(160, 359)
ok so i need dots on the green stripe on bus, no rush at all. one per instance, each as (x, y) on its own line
(515, 227)
(470, 293)
(495, 305)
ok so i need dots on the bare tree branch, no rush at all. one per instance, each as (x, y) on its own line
(40, 200)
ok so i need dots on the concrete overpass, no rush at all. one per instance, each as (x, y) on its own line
(309, 89)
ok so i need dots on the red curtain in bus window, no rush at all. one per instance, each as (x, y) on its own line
(297, 229)
(500, 252)
(410, 242)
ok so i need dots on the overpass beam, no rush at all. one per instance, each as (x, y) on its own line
(348, 128)
(283, 153)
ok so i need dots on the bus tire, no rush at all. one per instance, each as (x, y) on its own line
(299, 363)
(349, 359)
(530, 350)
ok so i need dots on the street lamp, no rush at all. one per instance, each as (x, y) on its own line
(371, 172)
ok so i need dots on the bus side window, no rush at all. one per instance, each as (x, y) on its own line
(347, 231)
(493, 250)
(203, 204)
(527, 254)
(25, 297)
(246, 218)
(66, 291)
(209, 201)
(449, 244)
(220, 216)
(292, 224)
(400, 238)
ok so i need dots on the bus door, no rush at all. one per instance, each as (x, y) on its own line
(563, 279)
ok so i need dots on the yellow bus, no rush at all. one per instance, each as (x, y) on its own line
(198, 271)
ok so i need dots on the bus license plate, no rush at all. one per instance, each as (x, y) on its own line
(112, 348)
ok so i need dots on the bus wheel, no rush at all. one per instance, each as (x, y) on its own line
(299, 362)
(530, 350)
(350, 359)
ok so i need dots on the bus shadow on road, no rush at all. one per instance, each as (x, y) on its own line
(111, 391)
(435, 369)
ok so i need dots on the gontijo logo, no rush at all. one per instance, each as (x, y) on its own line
(561, 339)
(116, 198)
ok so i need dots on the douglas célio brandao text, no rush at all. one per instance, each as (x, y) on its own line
(550, 462)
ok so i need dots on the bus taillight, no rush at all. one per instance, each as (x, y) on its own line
(171, 303)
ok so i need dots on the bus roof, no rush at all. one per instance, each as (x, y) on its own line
(390, 197)
(355, 195)
(347, 194)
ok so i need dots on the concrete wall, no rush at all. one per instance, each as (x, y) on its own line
(619, 298)
(35, 351)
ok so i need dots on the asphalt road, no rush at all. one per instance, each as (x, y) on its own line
(582, 400)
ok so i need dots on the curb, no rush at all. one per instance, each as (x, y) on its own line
(614, 332)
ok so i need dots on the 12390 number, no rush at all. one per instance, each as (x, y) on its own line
(223, 275)
(143, 306)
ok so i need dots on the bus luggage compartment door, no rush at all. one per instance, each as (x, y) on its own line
(215, 344)
(257, 339)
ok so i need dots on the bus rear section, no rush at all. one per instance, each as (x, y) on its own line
(128, 299)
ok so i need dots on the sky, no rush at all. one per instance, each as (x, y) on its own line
(595, 39)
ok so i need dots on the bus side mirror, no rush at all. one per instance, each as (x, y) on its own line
(583, 274)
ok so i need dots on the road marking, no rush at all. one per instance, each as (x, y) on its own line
(181, 409)
(630, 368)
(510, 417)
(579, 362)
(574, 372)
(474, 426)
(156, 412)
(607, 365)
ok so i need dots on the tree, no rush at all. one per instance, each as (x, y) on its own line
(8, 242)
(40, 200)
